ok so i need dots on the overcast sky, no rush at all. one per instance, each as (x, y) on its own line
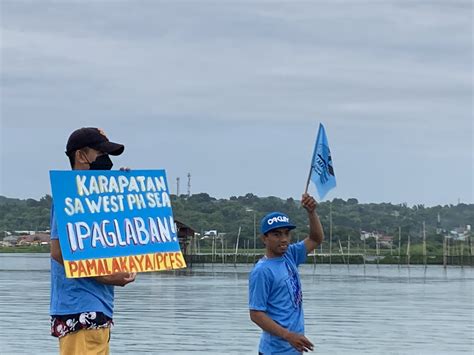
(233, 93)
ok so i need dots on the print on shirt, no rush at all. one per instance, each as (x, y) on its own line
(295, 286)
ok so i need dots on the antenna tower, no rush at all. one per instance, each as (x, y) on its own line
(189, 184)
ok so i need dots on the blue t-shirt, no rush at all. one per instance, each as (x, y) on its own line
(72, 296)
(275, 288)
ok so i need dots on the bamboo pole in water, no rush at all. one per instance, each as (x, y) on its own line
(448, 250)
(445, 254)
(237, 245)
(454, 251)
(330, 233)
(342, 252)
(377, 249)
(399, 244)
(247, 249)
(348, 248)
(408, 250)
(254, 236)
(424, 244)
(192, 250)
(212, 249)
(365, 252)
(470, 249)
(470, 246)
(214, 253)
(224, 247)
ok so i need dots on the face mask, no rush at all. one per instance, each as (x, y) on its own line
(102, 162)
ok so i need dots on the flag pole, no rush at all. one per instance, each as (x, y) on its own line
(309, 178)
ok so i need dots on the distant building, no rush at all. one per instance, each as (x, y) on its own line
(34, 239)
(384, 241)
(24, 232)
(366, 235)
(461, 233)
(11, 240)
(185, 236)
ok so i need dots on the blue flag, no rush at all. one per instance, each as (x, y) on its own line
(322, 170)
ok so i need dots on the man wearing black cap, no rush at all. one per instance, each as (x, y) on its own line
(275, 296)
(82, 309)
(89, 148)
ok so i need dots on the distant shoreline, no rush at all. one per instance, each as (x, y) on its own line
(323, 259)
(24, 249)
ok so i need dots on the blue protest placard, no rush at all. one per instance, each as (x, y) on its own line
(115, 221)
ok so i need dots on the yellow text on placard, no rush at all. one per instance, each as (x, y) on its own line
(132, 263)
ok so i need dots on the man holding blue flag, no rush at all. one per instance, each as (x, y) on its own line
(322, 170)
(275, 295)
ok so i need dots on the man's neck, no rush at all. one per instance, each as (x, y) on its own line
(270, 255)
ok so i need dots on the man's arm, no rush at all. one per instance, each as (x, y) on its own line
(56, 251)
(316, 233)
(298, 341)
(118, 279)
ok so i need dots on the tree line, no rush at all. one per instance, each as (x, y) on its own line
(202, 212)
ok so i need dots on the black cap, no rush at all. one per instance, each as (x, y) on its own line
(93, 138)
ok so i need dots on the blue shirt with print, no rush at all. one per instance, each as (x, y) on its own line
(275, 288)
(72, 296)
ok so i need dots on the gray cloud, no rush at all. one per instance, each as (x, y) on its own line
(233, 93)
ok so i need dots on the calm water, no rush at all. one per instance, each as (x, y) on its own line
(203, 310)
